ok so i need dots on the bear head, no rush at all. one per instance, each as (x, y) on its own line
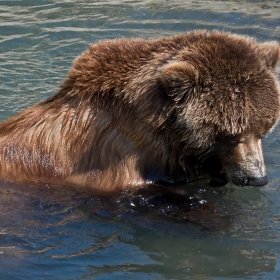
(226, 95)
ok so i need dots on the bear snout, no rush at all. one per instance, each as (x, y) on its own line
(252, 181)
(257, 182)
(244, 164)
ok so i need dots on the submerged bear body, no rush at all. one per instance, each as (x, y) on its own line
(133, 112)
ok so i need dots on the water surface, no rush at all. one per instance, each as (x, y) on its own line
(60, 234)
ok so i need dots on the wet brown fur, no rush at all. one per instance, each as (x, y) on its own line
(134, 111)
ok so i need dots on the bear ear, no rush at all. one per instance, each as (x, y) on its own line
(179, 79)
(271, 51)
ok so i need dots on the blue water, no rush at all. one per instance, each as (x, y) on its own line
(46, 233)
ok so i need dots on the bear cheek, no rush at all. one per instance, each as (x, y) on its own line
(244, 163)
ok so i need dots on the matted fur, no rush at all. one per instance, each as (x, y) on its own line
(134, 111)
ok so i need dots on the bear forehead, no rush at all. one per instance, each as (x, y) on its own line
(233, 64)
(254, 98)
(235, 90)
(224, 58)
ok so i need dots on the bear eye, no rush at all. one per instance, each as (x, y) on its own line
(233, 141)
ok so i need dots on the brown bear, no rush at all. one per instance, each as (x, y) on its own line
(134, 112)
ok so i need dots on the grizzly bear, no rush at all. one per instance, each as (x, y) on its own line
(134, 112)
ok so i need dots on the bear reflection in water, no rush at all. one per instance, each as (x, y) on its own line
(135, 112)
(173, 205)
(170, 203)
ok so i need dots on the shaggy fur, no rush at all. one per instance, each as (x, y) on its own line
(134, 111)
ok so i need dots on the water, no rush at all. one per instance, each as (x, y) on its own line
(61, 234)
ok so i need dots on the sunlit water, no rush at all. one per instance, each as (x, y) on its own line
(51, 234)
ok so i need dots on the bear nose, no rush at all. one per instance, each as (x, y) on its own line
(256, 182)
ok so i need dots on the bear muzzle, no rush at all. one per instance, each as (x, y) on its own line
(244, 165)
(252, 181)
(258, 182)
